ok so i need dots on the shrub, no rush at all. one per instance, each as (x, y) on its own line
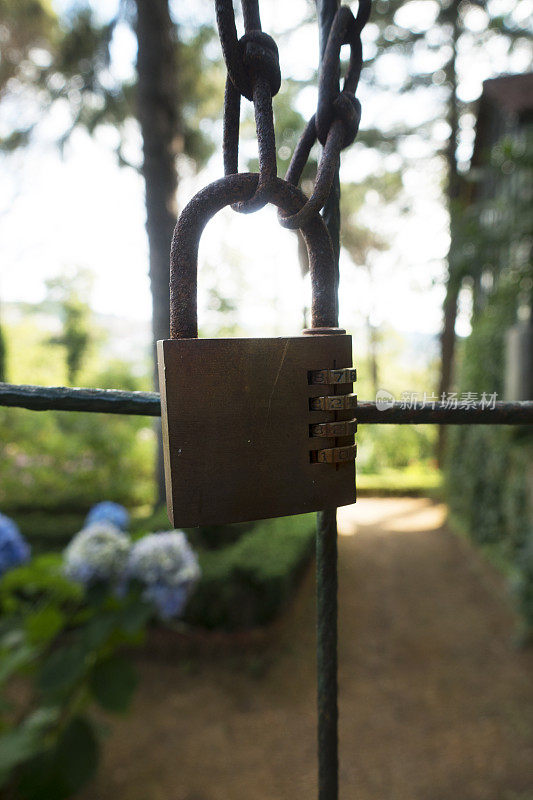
(63, 638)
(55, 460)
(487, 467)
(248, 583)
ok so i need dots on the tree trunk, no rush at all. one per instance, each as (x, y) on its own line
(157, 99)
(448, 336)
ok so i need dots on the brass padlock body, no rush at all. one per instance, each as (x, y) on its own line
(237, 428)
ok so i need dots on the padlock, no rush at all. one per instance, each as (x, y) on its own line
(254, 428)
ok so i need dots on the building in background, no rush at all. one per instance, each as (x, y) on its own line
(500, 194)
(490, 468)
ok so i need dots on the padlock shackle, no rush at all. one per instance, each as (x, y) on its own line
(186, 239)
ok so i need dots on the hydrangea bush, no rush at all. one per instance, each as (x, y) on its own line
(97, 553)
(107, 511)
(163, 563)
(168, 568)
(14, 550)
(68, 645)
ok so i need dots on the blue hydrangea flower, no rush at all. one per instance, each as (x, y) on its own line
(107, 511)
(14, 549)
(170, 601)
(165, 563)
(97, 553)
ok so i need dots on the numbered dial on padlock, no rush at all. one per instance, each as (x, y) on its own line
(257, 428)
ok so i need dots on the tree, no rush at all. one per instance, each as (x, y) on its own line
(26, 24)
(57, 59)
(158, 104)
(66, 293)
(457, 26)
(442, 39)
(362, 241)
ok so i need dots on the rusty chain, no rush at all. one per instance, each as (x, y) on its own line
(253, 72)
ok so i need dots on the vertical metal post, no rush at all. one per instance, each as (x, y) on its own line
(326, 538)
(326, 599)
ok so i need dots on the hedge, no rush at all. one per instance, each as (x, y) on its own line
(248, 583)
(488, 468)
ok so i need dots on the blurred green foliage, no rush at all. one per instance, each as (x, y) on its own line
(41, 578)
(60, 648)
(69, 292)
(64, 58)
(488, 474)
(385, 447)
(65, 462)
(3, 355)
(416, 480)
(397, 449)
(59, 657)
(51, 460)
(488, 468)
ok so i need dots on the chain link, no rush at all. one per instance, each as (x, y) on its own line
(338, 113)
(254, 72)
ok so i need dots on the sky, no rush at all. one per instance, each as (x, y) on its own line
(83, 210)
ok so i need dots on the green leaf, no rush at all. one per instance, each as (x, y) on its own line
(98, 629)
(18, 658)
(20, 744)
(61, 771)
(77, 753)
(39, 779)
(45, 624)
(97, 594)
(40, 577)
(113, 682)
(135, 616)
(62, 669)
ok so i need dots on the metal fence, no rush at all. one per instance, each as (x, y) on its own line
(253, 72)
(110, 401)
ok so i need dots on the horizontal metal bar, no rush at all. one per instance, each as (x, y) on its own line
(112, 401)
(65, 398)
(440, 414)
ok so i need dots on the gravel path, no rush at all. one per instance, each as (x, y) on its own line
(435, 702)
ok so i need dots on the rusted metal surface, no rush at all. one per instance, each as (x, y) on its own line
(192, 221)
(338, 113)
(333, 376)
(237, 429)
(253, 72)
(65, 398)
(334, 403)
(337, 455)
(241, 59)
(327, 429)
(441, 414)
(113, 401)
